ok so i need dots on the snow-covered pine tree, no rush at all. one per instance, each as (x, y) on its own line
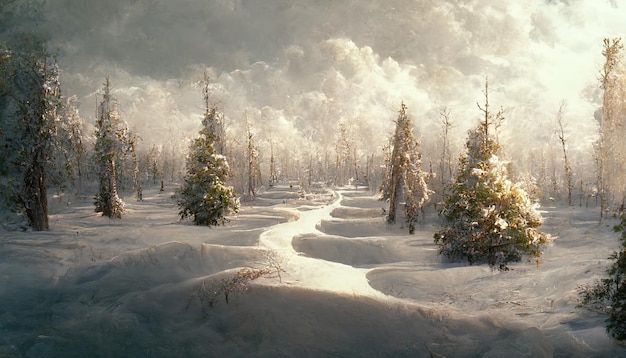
(215, 123)
(273, 170)
(110, 145)
(404, 178)
(487, 218)
(152, 164)
(67, 168)
(205, 197)
(253, 168)
(343, 160)
(608, 296)
(30, 98)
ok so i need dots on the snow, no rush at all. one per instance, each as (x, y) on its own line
(352, 286)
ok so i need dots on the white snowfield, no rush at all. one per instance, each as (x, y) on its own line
(352, 285)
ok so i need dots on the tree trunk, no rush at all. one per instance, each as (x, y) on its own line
(37, 196)
(395, 190)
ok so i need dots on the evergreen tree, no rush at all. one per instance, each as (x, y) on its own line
(70, 151)
(404, 177)
(152, 164)
(487, 218)
(30, 99)
(609, 295)
(110, 145)
(253, 167)
(204, 196)
(343, 151)
(273, 171)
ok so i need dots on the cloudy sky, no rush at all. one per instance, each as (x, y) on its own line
(296, 69)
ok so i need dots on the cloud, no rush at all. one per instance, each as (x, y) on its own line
(301, 68)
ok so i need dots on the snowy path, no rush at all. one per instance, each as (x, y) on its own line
(312, 272)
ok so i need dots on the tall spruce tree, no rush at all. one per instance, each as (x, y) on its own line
(205, 197)
(110, 146)
(486, 217)
(404, 178)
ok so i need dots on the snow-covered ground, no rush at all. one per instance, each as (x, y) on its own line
(351, 286)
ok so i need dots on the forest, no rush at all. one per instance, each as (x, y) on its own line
(167, 168)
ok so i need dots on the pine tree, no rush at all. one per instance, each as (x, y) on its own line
(608, 296)
(152, 164)
(404, 178)
(343, 151)
(67, 168)
(109, 147)
(487, 218)
(273, 171)
(30, 98)
(204, 196)
(253, 168)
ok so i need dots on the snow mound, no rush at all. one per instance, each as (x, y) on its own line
(148, 285)
(345, 212)
(353, 252)
(169, 262)
(274, 321)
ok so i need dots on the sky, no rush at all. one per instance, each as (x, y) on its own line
(294, 70)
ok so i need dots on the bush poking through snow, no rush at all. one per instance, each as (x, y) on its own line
(274, 264)
(608, 296)
(210, 292)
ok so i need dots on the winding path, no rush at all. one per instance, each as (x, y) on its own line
(313, 272)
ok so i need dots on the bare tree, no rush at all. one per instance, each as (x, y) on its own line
(445, 164)
(569, 176)
(610, 159)
(136, 177)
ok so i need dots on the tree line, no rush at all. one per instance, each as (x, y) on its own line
(46, 147)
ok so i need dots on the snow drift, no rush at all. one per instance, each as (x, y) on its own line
(352, 286)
